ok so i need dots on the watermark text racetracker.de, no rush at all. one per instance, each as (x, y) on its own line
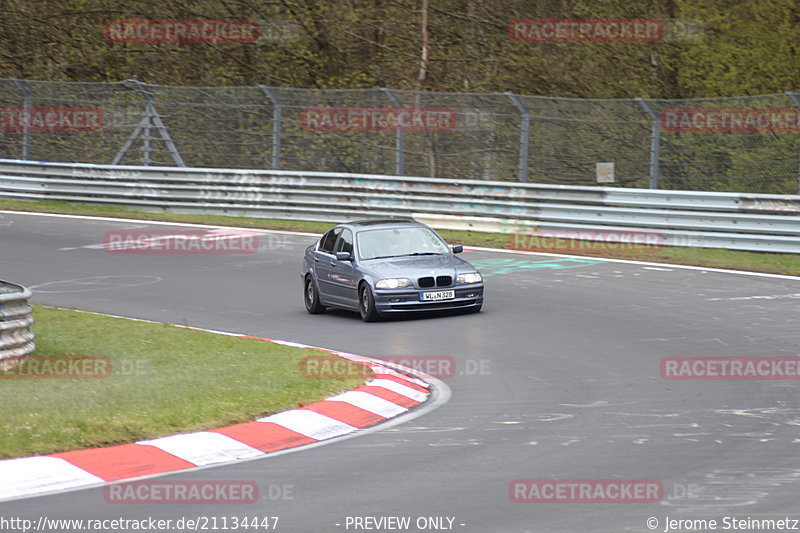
(730, 368)
(566, 240)
(41, 119)
(730, 120)
(188, 31)
(586, 30)
(194, 492)
(437, 366)
(601, 491)
(69, 367)
(441, 366)
(191, 241)
(586, 491)
(377, 119)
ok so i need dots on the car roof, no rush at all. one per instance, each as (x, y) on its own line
(387, 222)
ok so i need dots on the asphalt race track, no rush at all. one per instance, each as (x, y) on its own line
(558, 378)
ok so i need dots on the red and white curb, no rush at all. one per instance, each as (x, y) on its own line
(393, 391)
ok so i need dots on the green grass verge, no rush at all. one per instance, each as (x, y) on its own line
(707, 257)
(163, 380)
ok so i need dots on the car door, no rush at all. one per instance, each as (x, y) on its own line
(344, 276)
(324, 259)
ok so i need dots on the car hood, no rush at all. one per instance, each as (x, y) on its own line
(416, 266)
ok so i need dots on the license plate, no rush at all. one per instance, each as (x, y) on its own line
(436, 296)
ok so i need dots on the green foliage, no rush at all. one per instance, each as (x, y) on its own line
(712, 48)
(162, 380)
(749, 47)
(709, 49)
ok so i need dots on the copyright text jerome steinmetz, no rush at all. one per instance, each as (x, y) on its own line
(725, 523)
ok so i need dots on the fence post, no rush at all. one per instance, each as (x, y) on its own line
(26, 104)
(145, 133)
(143, 129)
(399, 138)
(129, 141)
(655, 141)
(156, 119)
(277, 119)
(524, 134)
(131, 138)
(795, 98)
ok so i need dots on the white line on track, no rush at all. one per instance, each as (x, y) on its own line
(665, 266)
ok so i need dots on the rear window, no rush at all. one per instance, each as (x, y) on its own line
(328, 240)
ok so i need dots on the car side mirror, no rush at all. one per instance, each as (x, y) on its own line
(343, 256)
(458, 248)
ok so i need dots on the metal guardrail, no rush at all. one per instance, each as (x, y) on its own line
(682, 218)
(16, 338)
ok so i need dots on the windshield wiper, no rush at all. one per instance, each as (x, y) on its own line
(404, 255)
(423, 253)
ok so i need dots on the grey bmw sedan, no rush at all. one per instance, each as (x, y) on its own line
(382, 267)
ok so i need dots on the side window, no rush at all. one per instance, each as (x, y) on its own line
(328, 240)
(345, 242)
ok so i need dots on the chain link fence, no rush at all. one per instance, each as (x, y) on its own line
(741, 144)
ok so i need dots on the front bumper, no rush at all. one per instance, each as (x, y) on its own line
(389, 301)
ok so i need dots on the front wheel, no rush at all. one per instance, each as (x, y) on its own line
(366, 305)
(311, 297)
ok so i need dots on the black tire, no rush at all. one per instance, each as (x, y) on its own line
(311, 297)
(366, 304)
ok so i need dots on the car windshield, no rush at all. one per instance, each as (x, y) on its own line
(397, 242)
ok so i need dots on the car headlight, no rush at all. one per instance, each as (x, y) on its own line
(393, 283)
(470, 277)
